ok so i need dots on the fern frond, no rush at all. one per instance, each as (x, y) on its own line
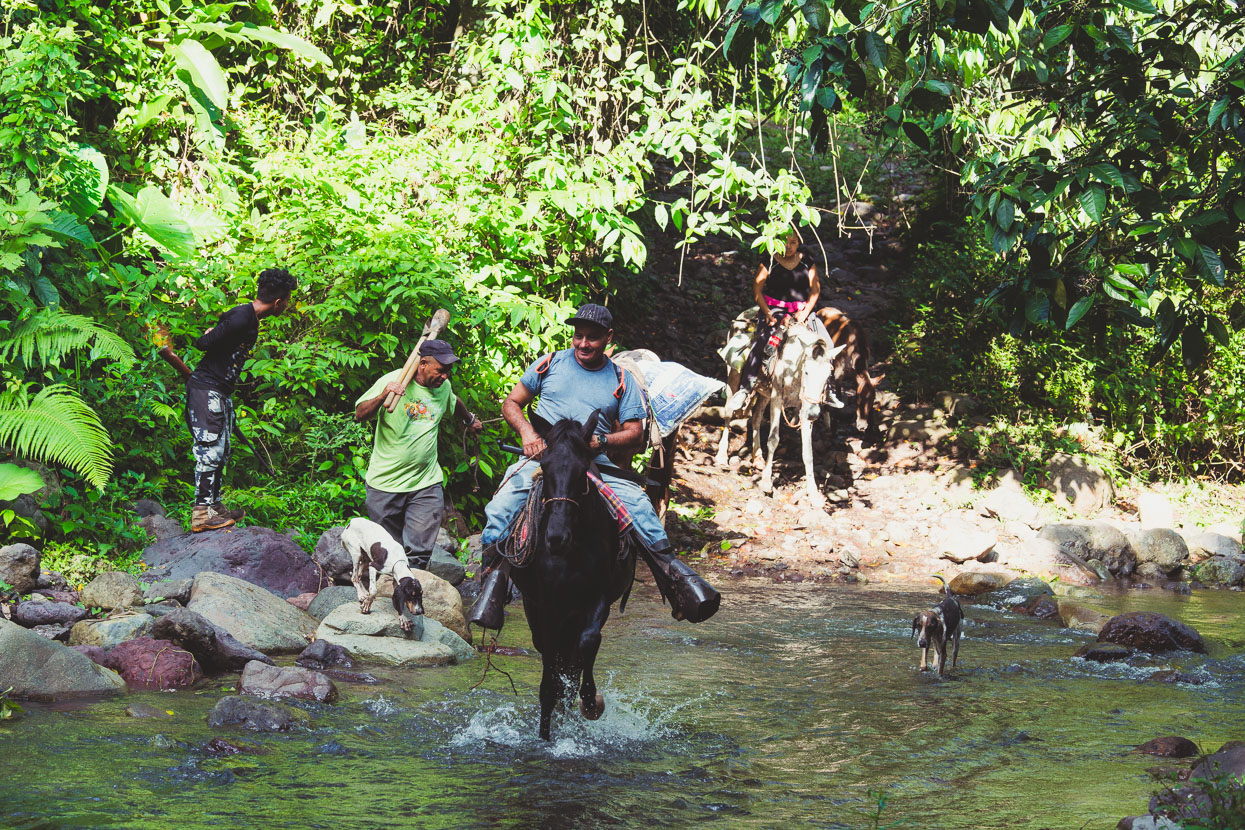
(51, 334)
(57, 426)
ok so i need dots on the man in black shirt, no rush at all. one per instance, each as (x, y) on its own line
(209, 407)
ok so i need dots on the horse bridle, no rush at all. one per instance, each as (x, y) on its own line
(574, 501)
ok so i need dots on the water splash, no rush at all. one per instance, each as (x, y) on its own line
(380, 706)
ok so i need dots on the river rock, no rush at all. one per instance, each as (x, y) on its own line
(332, 558)
(1043, 557)
(436, 647)
(1171, 746)
(443, 564)
(162, 608)
(1220, 570)
(236, 710)
(1207, 544)
(52, 580)
(1174, 676)
(446, 541)
(1009, 502)
(19, 567)
(30, 613)
(58, 632)
(256, 555)
(1228, 760)
(961, 542)
(1148, 631)
(1146, 823)
(475, 549)
(40, 669)
(1094, 542)
(381, 621)
(162, 528)
(1078, 484)
(325, 655)
(274, 682)
(974, 583)
(1160, 551)
(112, 589)
(112, 632)
(1155, 510)
(1103, 652)
(215, 648)
(253, 615)
(145, 663)
(1080, 618)
(146, 710)
(301, 601)
(441, 601)
(178, 589)
(331, 597)
(1018, 592)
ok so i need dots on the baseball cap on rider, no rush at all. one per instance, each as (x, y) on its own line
(593, 313)
(438, 350)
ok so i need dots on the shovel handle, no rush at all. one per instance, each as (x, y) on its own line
(435, 326)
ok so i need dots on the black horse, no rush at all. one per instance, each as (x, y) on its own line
(575, 570)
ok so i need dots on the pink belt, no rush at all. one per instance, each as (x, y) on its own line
(792, 307)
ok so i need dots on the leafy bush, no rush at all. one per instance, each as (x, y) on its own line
(81, 562)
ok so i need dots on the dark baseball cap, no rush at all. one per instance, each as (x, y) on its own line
(439, 350)
(593, 313)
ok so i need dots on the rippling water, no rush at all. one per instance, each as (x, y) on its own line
(789, 708)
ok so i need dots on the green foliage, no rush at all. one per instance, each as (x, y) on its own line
(16, 481)
(81, 562)
(55, 425)
(8, 709)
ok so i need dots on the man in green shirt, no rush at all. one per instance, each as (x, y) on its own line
(404, 494)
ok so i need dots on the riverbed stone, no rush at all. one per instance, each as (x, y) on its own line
(146, 710)
(145, 663)
(302, 600)
(111, 632)
(19, 567)
(974, 583)
(960, 542)
(324, 655)
(162, 528)
(1160, 551)
(331, 557)
(381, 621)
(392, 651)
(1228, 760)
(1094, 542)
(436, 645)
(215, 648)
(31, 613)
(1104, 652)
(1079, 484)
(1208, 543)
(1079, 617)
(1045, 558)
(1146, 823)
(58, 632)
(250, 613)
(176, 589)
(39, 669)
(1152, 632)
(445, 565)
(257, 555)
(52, 580)
(331, 597)
(112, 589)
(1155, 510)
(442, 602)
(275, 682)
(248, 713)
(1169, 746)
(1221, 571)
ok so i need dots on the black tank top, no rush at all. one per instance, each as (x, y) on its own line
(789, 285)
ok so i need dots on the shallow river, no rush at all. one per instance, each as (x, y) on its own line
(793, 707)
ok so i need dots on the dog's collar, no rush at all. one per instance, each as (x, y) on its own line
(401, 568)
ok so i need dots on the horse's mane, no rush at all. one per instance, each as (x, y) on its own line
(568, 429)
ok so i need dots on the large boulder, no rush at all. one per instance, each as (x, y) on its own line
(1207, 793)
(1148, 631)
(972, 583)
(331, 597)
(1228, 760)
(1045, 558)
(274, 682)
(1220, 570)
(445, 565)
(253, 615)
(442, 602)
(30, 613)
(248, 713)
(1160, 551)
(1208, 543)
(1094, 541)
(1169, 746)
(161, 528)
(112, 589)
(332, 558)
(256, 555)
(324, 655)
(1079, 617)
(154, 664)
(178, 589)
(19, 567)
(112, 632)
(961, 541)
(1078, 484)
(39, 669)
(215, 648)
(377, 637)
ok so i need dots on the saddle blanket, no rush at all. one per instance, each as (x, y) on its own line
(615, 505)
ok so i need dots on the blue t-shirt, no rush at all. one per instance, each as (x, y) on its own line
(568, 390)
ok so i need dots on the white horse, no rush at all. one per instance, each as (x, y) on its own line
(802, 372)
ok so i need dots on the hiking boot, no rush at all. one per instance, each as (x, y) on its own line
(489, 608)
(221, 510)
(690, 597)
(204, 517)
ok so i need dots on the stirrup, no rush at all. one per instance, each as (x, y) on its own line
(691, 598)
(489, 608)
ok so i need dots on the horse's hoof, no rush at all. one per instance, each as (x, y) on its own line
(597, 710)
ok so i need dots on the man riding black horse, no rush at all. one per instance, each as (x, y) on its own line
(572, 383)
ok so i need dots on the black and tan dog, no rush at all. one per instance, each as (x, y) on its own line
(374, 551)
(938, 626)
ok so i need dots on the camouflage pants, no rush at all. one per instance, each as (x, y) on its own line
(209, 415)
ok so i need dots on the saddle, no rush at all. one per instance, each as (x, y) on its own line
(515, 544)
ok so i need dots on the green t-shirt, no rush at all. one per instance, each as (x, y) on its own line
(404, 455)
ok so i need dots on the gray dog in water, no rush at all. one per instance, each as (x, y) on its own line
(934, 628)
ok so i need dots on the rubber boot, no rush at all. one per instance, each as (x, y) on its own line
(204, 517)
(221, 510)
(489, 608)
(690, 597)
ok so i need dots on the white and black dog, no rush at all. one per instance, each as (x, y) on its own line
(373, 550)
(937, 627)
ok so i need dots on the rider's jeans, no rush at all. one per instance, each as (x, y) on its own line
(518, 483)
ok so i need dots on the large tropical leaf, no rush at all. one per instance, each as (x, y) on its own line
(204, 71)
(49, 335)
(157, 216)
(18, 481)
(56, 426)
(87, 181)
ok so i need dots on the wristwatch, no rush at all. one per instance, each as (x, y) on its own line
(602, 439)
